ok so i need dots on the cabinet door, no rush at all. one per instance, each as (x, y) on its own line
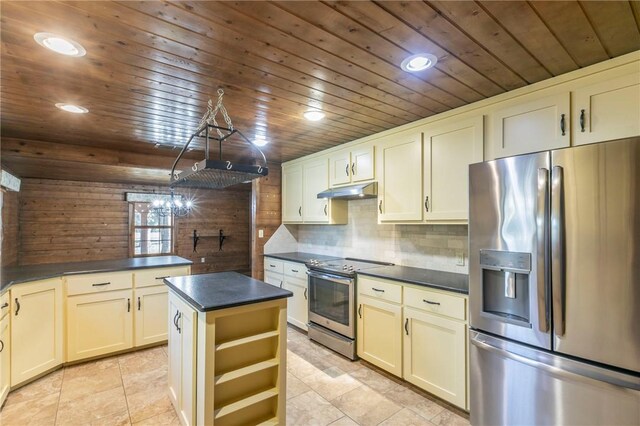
(607, 110)
(531, 126)
(36, 329)
(150, 314)
(99, 323)
(380, 334)
(297, 305)
(362, 161)
(273, 279)
(174, 351)
(401, 180)
(5, 364)
(448, 151)
(292, 194)
(315, 179)
(340, 168)
(188, 322)
(435, 354)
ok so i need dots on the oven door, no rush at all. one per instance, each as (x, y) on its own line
(331, 302)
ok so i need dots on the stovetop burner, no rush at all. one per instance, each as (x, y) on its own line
(346, 267)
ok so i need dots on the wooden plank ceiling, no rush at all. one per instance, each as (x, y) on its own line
(150, 68)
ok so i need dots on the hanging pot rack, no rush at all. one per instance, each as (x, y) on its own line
(216, 173)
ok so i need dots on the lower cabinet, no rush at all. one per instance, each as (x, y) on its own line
(182, 322)
(99, 323)
(379, 334)
(5, 363)
(298, 305)
(150, 315)
(435, 355)
(36, 329)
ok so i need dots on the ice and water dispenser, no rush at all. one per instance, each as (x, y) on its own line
(505, 285)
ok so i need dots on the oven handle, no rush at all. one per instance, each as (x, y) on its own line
(333, 278)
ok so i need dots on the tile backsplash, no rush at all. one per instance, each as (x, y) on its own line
(423, 246)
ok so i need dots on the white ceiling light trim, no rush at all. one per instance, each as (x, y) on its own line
(59, 44)
(76, 109)
(419, 62)
(314, 115)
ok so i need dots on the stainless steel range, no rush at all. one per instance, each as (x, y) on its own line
(332, 320)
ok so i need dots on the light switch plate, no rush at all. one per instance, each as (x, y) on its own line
(460, 258)
(202, 260)
(260, 233)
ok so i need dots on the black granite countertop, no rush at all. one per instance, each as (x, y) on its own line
(449, 281)
(22, 274)
(210, 292)
(300, 257)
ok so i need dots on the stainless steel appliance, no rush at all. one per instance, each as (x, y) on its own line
(332, 320)
(554, 287)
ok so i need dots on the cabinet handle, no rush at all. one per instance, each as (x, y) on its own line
(300, 210)
(1, 347)
(138, 302)
(346, 169)
(562, 124)
(281, 282)
(17, 306)
(353, 169)
(305, 294)
(175, 320)
(430, 302)
(178, 323)
(295, 270)
(162, 278)
(100, 284)
(325, 210)
(360, 311)
(426, 203)
(406, 326)
(582, 120)
(128, 305)
(273, 266)
(380, 206)
(6, 305)
(377, 289)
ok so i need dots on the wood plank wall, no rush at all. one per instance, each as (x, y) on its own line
(266, 214)
(62, 221)
(9, 228)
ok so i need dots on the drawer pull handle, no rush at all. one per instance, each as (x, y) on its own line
(178, 323)
(305, 294)
(562, 125)
(295, 270)
(162, 278)
(380, 206)
(175, 320)
(360, 310)
(138, 302)
(377, 289)
(406, 326)
(272, 266)
(430, 302)
(6, 305)
(17, 306)
(128, 305)
(582, 120)
(100, 284)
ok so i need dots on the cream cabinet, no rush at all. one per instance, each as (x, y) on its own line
(291, 276)
(292, 194)
(352, 165)
(5, 358)
(449, 148)
(150, 320)
(380, 333)
(315, 179)
(36, 329)
(99, 323)
(182, 321)
(607, 110)
(400, 186)
(531, 124)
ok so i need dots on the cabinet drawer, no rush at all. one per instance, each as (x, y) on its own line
(273, 265)
(296, 270)
(151, 277)
(273, 279)
(380, 289)
(4, 304)
(95, 283)
(436, 302)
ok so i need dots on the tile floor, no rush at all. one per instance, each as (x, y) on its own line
(322, 389)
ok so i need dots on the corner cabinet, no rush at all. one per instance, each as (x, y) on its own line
(352, 165)
(36, 329)
(5, 348)
(292, 194)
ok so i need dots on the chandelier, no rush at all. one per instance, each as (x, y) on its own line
(173, 206)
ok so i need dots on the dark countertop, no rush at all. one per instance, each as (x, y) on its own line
(300, 257)
(449, 281)
(209, 292)
(22, 274)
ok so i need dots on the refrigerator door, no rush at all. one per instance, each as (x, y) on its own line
(508, 256)
(595, 232)
(513, 384)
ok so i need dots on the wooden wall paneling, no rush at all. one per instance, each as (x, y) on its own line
(9, 229)
(266, 215)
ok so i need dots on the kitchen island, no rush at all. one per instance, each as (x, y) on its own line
(227, 349)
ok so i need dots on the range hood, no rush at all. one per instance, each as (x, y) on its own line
(352, 192)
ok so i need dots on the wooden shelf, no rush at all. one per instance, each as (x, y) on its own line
(270, 422)
(244, 403)
(245, 340)
(244, 371)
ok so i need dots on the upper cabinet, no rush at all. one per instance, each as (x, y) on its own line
(607, 110)
(292, 193)
(352, 165)
(538, 124)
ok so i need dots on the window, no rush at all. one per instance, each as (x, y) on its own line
(151, 233)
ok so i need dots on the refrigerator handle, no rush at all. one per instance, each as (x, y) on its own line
(542, 263)
(557, 249)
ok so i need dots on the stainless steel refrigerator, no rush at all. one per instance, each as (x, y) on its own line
(554, 287)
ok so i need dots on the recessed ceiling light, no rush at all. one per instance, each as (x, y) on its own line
(59, 44)
(419, 62)
(72, 108)
(313, 115)
(260, 140)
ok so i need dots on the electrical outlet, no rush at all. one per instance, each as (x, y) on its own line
(460, 258)
(260, 233)
(202, 260)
